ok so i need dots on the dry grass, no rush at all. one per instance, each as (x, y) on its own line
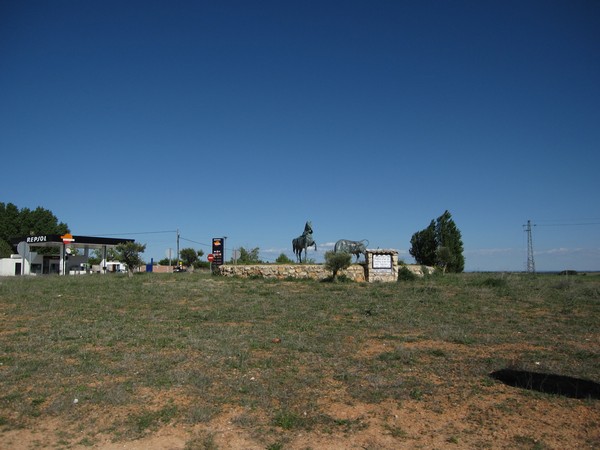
(122, 358)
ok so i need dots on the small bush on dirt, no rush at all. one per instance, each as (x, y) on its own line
(404, 274)
(287, 420)
(494, 282)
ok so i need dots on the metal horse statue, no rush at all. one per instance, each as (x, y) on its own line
(303, 242)
(353, 247)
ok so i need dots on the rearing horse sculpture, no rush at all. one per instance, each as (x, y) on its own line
(303, 242)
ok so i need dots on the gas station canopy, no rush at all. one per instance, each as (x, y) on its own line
(67, 261)
(55, 240)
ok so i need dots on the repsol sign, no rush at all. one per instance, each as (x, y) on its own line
(34, 239)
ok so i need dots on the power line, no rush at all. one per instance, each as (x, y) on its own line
(139, 232)
(155, 232)
(152, 232)
(566, 224)
(195, 242)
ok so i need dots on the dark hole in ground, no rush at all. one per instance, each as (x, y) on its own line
(548, 383)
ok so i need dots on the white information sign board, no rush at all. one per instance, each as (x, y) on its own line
(382, 261)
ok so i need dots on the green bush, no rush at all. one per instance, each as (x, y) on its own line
(336, 262)
(404, 274)
(494, 282)
(283, 259)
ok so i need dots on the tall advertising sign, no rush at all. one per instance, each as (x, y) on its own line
(218, 251)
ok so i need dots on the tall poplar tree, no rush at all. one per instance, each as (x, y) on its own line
(448, 237)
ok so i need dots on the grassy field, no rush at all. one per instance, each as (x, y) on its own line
(196, 361)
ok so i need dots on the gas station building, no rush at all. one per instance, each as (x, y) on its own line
(71, 259)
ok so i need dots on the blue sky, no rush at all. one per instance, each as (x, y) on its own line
(245, 119)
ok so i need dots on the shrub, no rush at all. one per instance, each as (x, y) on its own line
(568, 272)
(336, 262)
(283, 259)
(404, 274)
(494, 282)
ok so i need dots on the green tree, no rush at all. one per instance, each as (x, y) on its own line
(444, 258)
(448, 236)
(129, 254)
(190, 257)
(423, 245)
(9, 222)
(26, 222)
(5, 249)
(249, 256)
(336, 261)
(40, 221)
(440, 244)
(96, 258)
(283, 259)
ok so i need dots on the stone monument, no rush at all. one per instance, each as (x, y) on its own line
(381, 265)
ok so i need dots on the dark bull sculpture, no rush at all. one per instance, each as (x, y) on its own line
(353, 247)
(303, 241)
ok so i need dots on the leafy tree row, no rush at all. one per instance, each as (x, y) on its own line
(251, 256)
(188, 257)
(246, 256)
(15, 222)
(439, 245)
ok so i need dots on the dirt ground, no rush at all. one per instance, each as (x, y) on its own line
(499, 417)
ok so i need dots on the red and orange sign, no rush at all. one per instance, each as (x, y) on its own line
(67, 238)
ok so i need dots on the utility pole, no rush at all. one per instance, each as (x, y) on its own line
(177, 247)
(530, 261)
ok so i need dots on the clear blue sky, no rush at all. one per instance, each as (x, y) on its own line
(245, 119)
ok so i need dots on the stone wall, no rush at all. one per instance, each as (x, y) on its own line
(419, 270)
(355, 272)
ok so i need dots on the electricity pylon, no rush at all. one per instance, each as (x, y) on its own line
(530, 261)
